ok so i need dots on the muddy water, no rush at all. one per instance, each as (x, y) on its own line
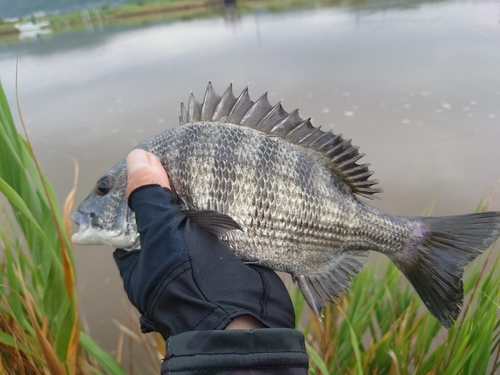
(416, 87)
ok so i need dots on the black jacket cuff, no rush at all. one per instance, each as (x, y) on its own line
(274, 351)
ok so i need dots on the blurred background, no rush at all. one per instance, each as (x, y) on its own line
(415, 84)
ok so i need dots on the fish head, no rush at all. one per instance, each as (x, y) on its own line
(104, 217)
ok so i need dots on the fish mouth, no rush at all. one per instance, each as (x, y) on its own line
(89, 234)
(83, 220)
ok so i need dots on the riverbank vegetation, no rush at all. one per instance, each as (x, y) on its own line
(40, 331)
(144, 12)
(380, 327)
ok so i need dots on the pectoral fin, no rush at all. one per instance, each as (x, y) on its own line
(214, 222)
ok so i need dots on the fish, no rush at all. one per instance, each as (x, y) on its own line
(287, 195)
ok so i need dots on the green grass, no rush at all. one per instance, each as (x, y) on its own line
(40, 328)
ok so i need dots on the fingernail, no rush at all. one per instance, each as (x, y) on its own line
(137, 159)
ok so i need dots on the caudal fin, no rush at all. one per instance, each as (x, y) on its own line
(436, 264)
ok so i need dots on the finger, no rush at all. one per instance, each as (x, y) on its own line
(144, 168)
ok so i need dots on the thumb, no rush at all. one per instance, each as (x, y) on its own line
(144, 168)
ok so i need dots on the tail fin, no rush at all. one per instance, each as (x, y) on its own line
(436, 264)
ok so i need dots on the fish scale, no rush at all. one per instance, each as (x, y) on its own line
(287, 195)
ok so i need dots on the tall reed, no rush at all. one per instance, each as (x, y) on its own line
(40, 332)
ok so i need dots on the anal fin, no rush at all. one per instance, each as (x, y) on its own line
(319, 288)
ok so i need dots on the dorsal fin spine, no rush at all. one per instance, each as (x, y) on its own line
(243, 103)
(356, 168)
(210, 101)
(275, 128)
(365, 183)
(184, 114)
(322, 136)
(343, 153)
(352, 160)
(306, 137)
(296, 128)
(254, 114)
(225, 104)
(329, 142)
(287, 122)
(275, 109)
(370, 191)
(362, 175)
(194, 109)
(337, 147)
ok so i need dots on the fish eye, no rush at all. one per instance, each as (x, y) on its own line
(104, 185)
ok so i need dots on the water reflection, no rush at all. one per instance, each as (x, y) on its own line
(232, 13)
(34, 34)
(415, 84)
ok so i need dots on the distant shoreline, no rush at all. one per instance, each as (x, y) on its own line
(145, 12)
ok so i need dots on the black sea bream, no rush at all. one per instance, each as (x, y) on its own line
(286, 195)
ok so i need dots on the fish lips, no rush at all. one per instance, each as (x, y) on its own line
(83, 220)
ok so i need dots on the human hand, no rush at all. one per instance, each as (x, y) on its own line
(185, 278)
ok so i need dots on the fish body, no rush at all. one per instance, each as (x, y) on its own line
(286, 195)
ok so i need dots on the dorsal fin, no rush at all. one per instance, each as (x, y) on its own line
(340, 155)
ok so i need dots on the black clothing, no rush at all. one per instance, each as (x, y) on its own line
(185, 279)
(266, 351)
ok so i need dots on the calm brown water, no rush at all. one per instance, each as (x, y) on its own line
(416, 87)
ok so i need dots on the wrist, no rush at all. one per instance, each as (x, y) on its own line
(244, 322)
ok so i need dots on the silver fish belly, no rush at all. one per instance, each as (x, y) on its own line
(293, 192)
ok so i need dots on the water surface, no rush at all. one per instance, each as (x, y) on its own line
(417, 87)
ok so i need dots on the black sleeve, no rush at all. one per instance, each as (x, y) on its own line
(268, 351)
